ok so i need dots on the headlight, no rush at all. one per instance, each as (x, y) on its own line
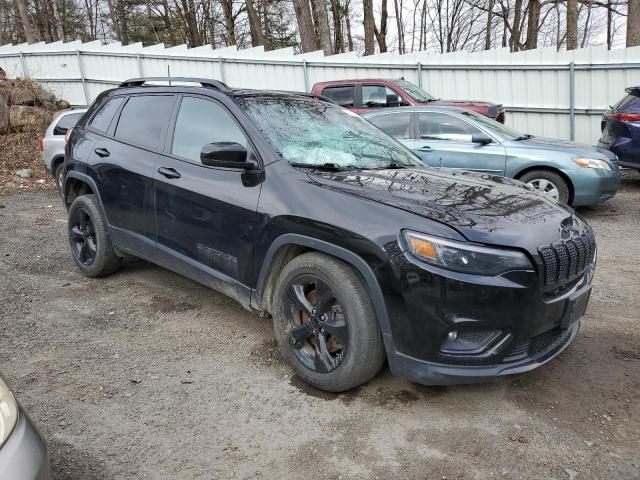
(592, 163)
(462, 257)
(8, 412)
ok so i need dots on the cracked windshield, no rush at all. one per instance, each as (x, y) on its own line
(307, 132)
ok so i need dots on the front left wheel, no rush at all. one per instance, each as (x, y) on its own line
(325, 323)
(89, 238)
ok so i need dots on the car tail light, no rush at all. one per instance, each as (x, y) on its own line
(42, 143)
(625, 117)
(68, 135)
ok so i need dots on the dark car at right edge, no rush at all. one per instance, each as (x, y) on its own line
(304, 211)
(621, 129)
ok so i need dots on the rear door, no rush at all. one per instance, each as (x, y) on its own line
(399, 125)
(123, 165)
(206, 215)
(445, 140)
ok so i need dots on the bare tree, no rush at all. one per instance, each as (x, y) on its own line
(381, 33)
(308, 38)
(322, 25)
(369, 27)
(572, 24)
(633, 23)
(26, 21)
(257, 36)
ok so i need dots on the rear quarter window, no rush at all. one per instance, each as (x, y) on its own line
(102, 119)
(143, 120)
(342, 95)
(66, 122)
(630, 103)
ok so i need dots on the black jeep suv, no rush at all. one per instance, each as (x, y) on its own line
(300, 209)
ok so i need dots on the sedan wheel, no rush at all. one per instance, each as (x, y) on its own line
(545, 186)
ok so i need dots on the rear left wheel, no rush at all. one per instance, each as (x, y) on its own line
(58, 176)
(325, 323)
(89, 239)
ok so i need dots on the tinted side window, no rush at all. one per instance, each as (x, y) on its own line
(143, 119)
(395, 124)
(102, 119)
(377, 96)
(440, 126)
(343, 96)
(200, 122)
(66, 122)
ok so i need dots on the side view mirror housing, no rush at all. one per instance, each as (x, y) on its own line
(226, 155)
(481, 138)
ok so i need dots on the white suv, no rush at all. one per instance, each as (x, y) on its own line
(53, 141)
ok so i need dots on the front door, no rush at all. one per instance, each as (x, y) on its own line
(444, 140)
(206, 216)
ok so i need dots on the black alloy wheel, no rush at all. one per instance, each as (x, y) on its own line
(83, 237)
(317, 325)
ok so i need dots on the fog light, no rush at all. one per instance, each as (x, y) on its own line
(452, 335)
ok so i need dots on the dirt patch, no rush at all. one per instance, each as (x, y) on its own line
(195, 387)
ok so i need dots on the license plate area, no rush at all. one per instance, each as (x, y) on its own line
(576, 308)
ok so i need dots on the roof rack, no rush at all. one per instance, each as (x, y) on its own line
(205, 82)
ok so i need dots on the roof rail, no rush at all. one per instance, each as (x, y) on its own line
(205, 82)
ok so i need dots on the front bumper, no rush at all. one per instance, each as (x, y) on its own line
(430, 373)
(592, 186)
(518, 323)
(24, 455)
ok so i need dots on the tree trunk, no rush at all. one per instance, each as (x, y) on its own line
(609, 25)
(515, 30)
(572, 24)
(29, 33)
(487, 38)
(338, 43)
(308, 37)
(322, 25)
(533, 25)
(347, 24)
(381, 35)
(369, 27)
(399, 27)
(59, 20)
(229, 23)
(122, 20)
(257, 37)
(587, 25)
(633, 23)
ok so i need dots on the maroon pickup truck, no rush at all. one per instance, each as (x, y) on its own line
(366, 94)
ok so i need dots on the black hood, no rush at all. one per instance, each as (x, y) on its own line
(484, 208)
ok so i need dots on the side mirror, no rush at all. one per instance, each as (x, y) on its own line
(481, 138)
(225, 155)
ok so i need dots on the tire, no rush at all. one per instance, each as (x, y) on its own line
(350, 327)
(58, 176)
(551, 180)
(89, 238)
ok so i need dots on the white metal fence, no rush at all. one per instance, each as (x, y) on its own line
(545, 92)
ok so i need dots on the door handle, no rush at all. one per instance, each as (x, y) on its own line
(169, 172)
(426, 148)
(102, 152)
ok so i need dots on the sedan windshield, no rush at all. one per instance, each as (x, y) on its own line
(499, 128)
(309, 132)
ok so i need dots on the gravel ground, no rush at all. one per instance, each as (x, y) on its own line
(146, 374)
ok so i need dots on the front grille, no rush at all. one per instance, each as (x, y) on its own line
(537, 345)
(564, 260)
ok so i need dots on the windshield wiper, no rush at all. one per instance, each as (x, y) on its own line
(523, 137)
(323, 166)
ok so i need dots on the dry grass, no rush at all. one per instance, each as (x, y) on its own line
(22, 150)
